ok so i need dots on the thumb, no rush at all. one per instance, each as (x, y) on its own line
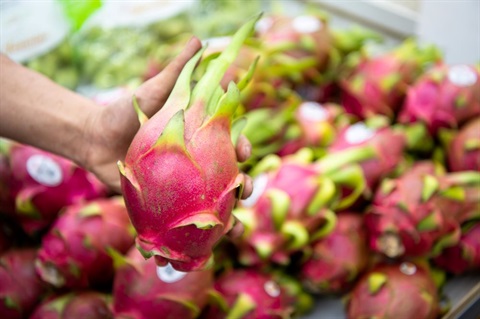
(153, 94)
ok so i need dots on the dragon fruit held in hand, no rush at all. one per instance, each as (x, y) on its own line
(74, 253)
(75, 305)
(251, 294)
(378, 85)
(445, 96)
(20, 287)
(143, 290)
(419, 213)
(180, 178)
(338, 258)
(41, 183)
(404, 290)
(463, 151)
(465, 256)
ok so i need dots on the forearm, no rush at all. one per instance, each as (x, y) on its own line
(36, 111)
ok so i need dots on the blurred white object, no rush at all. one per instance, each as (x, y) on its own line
(454, 26)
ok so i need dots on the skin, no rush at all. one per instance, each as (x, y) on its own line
(36, 111)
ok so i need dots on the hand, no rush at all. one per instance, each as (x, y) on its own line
(112, 128)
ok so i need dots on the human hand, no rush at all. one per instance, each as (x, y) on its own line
(111, 129)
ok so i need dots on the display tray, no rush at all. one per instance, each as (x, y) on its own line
(463, 293)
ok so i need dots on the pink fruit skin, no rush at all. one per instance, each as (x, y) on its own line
(438, 102)
(80, 305)
(388, 145)
(463, 257)
(461, 157)
(304, 178)
(339, 258)
(401, 210)
(371, 99)
(42, 201)
(138, 293)
(253, 283)
(76, 245)
(19, 284)
(401, 296)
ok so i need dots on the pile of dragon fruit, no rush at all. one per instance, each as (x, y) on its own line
(366, 173)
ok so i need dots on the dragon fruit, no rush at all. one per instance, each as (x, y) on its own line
(463, 151)
(399, 290)
(143, 290)
(287, 210)
(180, 178)
(386, 144)
(444, 97)
(378, 85)
(20, 287)
(339, 258)
(75, 305)
(465, 256)
(40, 184)
(249, 294)
(420, 212)
(74, 252)
(302, 44)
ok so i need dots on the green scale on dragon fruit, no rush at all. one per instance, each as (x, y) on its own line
(75, 251)
(75, 305)
(397, 290)
(377, 85)
(292, 204)
(39, 184)
(143, 290)
(20, 287)
(252, 294)
(420, 212)
(333, 263)
(178, 187)
(445, 96)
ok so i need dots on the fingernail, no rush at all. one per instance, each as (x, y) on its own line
(247, 149)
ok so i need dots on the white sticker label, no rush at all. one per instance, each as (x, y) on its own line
(408, 268)
(259, 185)
(264, 24)
(306, 24)
(462, 75)
(116, 13)
(31, 29)
(44, 170)
(168, 274)
(313, 111)
(358, 133)
(272, 289)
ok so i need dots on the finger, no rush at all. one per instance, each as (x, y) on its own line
(247, 187)
(153, 93)
(237, 230)
(243, 148)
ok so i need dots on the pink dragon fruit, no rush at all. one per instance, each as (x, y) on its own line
(419, 213)
(404, 290)
(251, 294)
(20, 287)
(465, 256)
(387, 146)
(143, 290)
(74, 252)
(463, 152)
(180, 178)
(317, 125)
(444, 97)
(286, 211)
(75, 305)
(40, 184)
(339, 258)
(378, 85)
